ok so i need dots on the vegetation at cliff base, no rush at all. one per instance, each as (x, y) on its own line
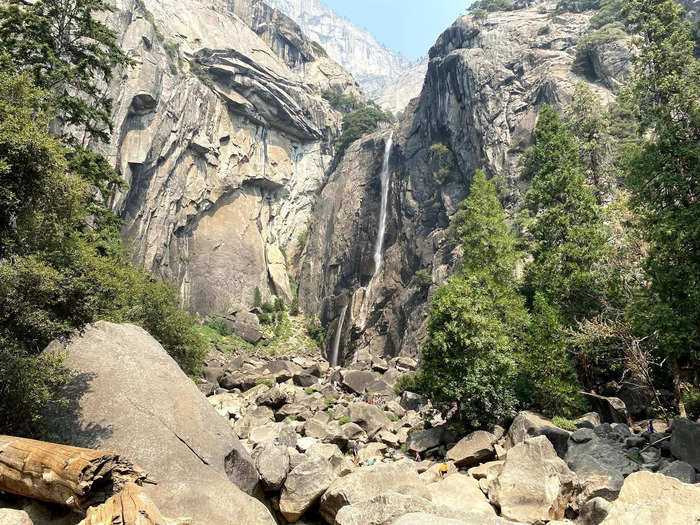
(360, 122)
(62, 262)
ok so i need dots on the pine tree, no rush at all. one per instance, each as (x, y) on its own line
(547, 376)
(664, 176)
(481, 227)
(476, 318)
(566, 227)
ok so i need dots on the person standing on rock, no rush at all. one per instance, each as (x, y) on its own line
(354, 453)
(443, 470)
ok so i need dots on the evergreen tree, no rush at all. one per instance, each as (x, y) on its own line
(566, 227)
(547, 377)
(481, 227)
(477, 317)
(68, 52)
(664, 176)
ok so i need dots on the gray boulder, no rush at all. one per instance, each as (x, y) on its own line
(129, 396)
(304, 485)
(273, 398)
(471, 518)
(423, 440)
(611, 409)
(370, 418)
(685, 441)
(14, 517)
(242, 322)
(680, 470)
(530, 424)
(273, 434)
(358, 381)
(272, 463)
(473, 449)
(594, 511)
(411, 401)
(534, 484)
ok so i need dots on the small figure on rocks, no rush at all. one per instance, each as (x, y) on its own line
(651, 427)
(443, 470)
(418, 458)
(354, 452)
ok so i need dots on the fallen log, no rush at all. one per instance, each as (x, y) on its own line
(130, 507)
(72, 476)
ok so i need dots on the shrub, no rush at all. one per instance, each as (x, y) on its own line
(218, 325)
(564, 423)
(309, 390)
(691, 398)
(315, 329)
(492, 5)
(422, 280)
(266, 382)
(328, 400)
(406, 382)
(480, 14)
(392, 417)
(360, 122)
(344, 420)
(544, 30)
(294, 308)
(279, 305)
(268, 307)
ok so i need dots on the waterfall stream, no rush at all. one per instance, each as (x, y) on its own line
(338, 333)
(384, 177)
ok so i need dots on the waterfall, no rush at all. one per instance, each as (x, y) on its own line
(338, 333)
(384, 177)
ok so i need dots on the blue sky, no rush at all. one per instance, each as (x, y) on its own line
(407, 26)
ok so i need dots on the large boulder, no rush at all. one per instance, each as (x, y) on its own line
(272, 463)
(129, 396)
(534, 484)
(411, 401)
(685, 442)
(473, 449)
(422, 518)
(370, 418)
(462, 493)
(255, 418)
(243, 323)
(304, 485)
(680, 470)
(611, 409)
(422, 440)
(389, 506)
(367, 482)
(274, 434)
(358, 380)
(654, 498)
(14, 517)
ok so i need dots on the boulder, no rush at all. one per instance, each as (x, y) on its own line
(462, 493)
(129, 396)
(423, 440)
(244, 324)
(588, 420)
(273, 398)
(280, 370)
(273, 434)
(227, 405)
(404, 364)
(257, 417)
(433, 475)
(14, 517)
(367, 482)
(272, 462)
(370, 418)
(525, 425)
(411, 401)
(303, 444)
(534, 484)
(358, 381)
(371, 451)
(680, 470)
(594, 511)
(379, 364)
(353, 431)
(395, 408)
(611, 409)
(305, 380)
(422, 518)
(212, 374)
(329, 452)
(685, 441)
(647, 497)
(388, 438)
(304, 485)
(558, 437)
(315, 429)
(473, 449)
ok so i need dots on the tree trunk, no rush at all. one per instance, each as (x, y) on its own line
(677, 388)
(76, 477)
(130, 507)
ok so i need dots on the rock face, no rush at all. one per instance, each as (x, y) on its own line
(653, 498)
(462, 493)
(485, 83)
(223, 136)
(374, 66)
(160, 421)
(534, 484)
(304, 485)
(14, 517)
(473, 449)
(685, 441)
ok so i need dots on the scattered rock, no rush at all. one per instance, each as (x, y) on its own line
(14, 517)
(275, 434)
(273, 398)
(473, 449)
(594, 511)
(656, 499)
(369, 417)
(424, 440)
(272, 463)
(680, 470)
(685, 441)
(611, 409)
(588, 420)
(534, 484)
(462, 493)
(411, 401)
(303, 486)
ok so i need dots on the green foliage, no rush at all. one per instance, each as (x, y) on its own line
(257, 298)
(480, 14)
(544, 30)
(577, 6)
(480, 226)
(471, 344)
(406, 382)
(29, 386)
(491, 5)
(564, 423)
(65, 48)
(662, 174)
(344, 420)
(360, 122)
(691, 398)
(610, 11)
(328, 400)
(547, 377)
(568, 239)
(202, 74)
(422, 280)
(278, 305)
(442, 160)
(585, 48)
(392, 417)
(268, 307)
(309, 390)
(315, 329)
(267, 382)
(217, 324)
(294, 308)
(341, 102)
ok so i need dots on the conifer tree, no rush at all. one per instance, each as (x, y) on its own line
(664, 176)
(566, 227)
(476, 318)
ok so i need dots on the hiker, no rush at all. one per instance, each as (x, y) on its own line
(651, 427)
(443, 470)
(418, 458)
(354, 452)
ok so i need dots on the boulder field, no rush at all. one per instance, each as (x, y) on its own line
(262, 440)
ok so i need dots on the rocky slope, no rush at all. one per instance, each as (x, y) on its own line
(224, 138)
(485, 83)
(375, 67)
